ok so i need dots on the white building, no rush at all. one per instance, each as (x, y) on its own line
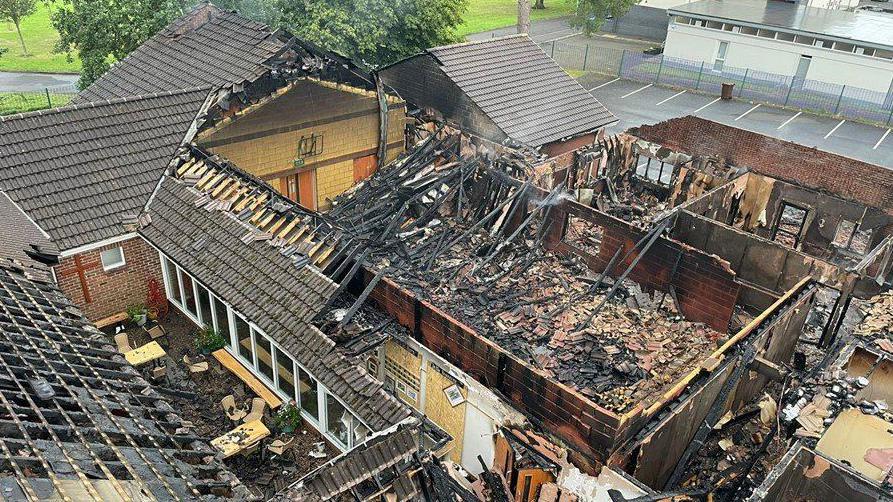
(847, 48)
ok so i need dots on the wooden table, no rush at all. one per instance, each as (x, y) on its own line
(240, 438)
(142, 355)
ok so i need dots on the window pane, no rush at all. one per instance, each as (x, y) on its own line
(285, 367)
(204, 305)
(112, 258)
(222, 320)
(189, 298)
(309, 392)
(339, 420)
(174, 280)
(243, 334)
(264, 357)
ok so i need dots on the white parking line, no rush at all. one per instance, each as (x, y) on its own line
(637, 90)
(705, 106)
(602, 85)
(880, 140)
(788, 121)
(671, 97)
(835, 128)
(739, 117)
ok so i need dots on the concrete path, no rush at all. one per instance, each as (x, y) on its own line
(24, 82)
(636, 103)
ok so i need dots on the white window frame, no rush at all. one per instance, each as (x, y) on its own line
(115, 265)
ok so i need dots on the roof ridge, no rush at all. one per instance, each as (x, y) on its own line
(475, 42)
(103, 102)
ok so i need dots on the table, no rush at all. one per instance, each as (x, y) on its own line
(240, 438)
(142, 355)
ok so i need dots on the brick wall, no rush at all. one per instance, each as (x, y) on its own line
(852, 179)
(110, 292)
(591, 430)
(704, 284)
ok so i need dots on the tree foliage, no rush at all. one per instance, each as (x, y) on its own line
(374, 32)
(591, 14)
(15, 11)
(102, 31)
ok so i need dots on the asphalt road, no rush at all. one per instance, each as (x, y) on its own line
(24, 82)
(635, 103)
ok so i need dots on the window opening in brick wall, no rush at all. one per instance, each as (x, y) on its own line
(789, 225)
(851, 237)
(654, 170)
(583, 235)
(112, 258)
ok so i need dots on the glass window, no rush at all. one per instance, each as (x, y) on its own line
(309, 395)
(188, 294)
(285, 368)
(173, 279)
(204, 305)
(720, 60)
(339, 421)
(243, 335)
(264, 355)
(222, 318)
(112, 258)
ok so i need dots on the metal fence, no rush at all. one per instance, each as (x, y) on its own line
(27, 101)
(771, 88)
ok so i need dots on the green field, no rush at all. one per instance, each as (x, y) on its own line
(20, 102)
(483, 15)
(39, 39)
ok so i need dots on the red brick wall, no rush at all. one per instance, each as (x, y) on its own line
(562, 152)
(850, 178)
(704, 284)
(110, 292)
(586, 427)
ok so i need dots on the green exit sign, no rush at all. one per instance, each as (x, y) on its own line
(299, 163)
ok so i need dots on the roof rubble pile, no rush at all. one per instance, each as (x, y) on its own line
(444, 230)
(878, 323)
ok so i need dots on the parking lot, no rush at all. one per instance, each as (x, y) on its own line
(636, 103)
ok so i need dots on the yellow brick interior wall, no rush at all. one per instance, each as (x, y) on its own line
(442, 413)
(411, 363)
(272, 155)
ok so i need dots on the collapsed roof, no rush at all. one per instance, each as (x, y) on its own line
(499, 88)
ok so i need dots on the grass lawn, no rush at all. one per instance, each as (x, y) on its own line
(20, 102)
(40, 36)
(483, 15)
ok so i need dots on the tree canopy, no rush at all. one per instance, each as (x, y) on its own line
(102, 31)
(15, 10)
(591, 14)
(374, 32)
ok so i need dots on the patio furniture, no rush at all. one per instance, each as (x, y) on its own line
(245, 436)
(123, 343)
(258, 405)
(250, 449)
(195, 367)
(159, 372)
(156, 331)
(233, 412)
(147, 353)
(278, 446)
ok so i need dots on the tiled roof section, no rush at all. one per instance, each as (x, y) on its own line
(76, 170)
(207, 46)
(263, 284)
(19, 233)
(360, 464)
(522, 89)
(73, 407)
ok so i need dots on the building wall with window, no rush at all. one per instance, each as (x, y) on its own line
(771, 51)
(312, 142)
(104, 280)
(263, 357)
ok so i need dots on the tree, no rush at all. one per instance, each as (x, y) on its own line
(15, 11)
(263, 11)
(539, 5)
(374, 32)
(590, 14)
(103, 31)
(523, 16)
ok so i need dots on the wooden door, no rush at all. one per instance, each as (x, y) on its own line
(363, 167)
(307, 189)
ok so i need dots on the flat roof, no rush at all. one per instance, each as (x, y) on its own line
(865, 27)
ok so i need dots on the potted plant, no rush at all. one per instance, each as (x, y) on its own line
(136, 313)
(288, 418)
(208, 340)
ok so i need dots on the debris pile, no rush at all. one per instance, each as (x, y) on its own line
(467, 237)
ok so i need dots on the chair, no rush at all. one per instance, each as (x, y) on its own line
(278, 446)
(123, 342)
(156, 331)
(233, 412)
(250, 449)
(159, 372)
(194, 367)
(258, 406)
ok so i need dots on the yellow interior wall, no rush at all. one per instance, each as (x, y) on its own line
(410, 363)
(442, 413)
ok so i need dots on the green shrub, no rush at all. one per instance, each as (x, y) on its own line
(209, 340)
(288, 418)
(135, 312)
